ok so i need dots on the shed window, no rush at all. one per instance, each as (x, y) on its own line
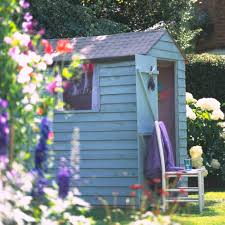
(81, 94)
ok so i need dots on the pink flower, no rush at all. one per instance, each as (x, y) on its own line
(8, 40)
(14, 52)
(24, 4)
(51, 87)
(28, 16)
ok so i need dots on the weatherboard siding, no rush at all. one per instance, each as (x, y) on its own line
(166, 49)
(106, 141)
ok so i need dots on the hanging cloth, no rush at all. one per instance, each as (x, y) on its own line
(152, 165)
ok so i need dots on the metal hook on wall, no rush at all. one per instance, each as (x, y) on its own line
(151, 82)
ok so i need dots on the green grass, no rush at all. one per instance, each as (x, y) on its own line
(213, 214)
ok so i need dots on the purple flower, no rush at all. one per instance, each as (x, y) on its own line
(4, 128)
(40, 183)
(41, 154)
(24, 4)
(3, 103)
(63, 179)
(27, 26)
(41, 150)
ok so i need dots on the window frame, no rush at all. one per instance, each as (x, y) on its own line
(95, 101)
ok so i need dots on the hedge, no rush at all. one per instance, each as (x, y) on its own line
(205, 76)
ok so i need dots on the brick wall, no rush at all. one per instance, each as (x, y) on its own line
(216, 39)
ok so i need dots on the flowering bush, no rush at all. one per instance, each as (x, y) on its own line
(18, 206)
(206, 134)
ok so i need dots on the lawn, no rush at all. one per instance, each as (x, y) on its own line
(213, 214)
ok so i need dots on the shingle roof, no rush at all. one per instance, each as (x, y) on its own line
(116, 45)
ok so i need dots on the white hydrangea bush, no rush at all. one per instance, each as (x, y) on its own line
(206, 135)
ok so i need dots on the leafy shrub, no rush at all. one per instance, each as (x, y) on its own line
(206, 129)
(205, 76)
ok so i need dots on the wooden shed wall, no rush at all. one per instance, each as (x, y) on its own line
(106, 141)
(166, 49)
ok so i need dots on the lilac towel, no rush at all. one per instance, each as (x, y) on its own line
(152, 167)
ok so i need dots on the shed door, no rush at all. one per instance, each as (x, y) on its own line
(147, 100)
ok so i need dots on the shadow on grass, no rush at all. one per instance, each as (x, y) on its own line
(193, 209)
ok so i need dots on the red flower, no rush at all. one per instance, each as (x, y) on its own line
(40, 111)
(182, 191)
(148, 194)
(133, 194)
(64, 46)
(136, 186)
(156, 180)
(163, 192)
(47, 46)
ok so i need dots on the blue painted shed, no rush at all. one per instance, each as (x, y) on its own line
(106, 136)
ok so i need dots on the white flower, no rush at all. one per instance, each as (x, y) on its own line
(25, 100)
(215, 164)
(48, 59)
(205, 171)
(209, 104)
(28, 108)
(217, 114)
(23, 39)
(42, 66)
(189, 112)
(30, 88)
(23, 75)
(34, 98)
(34, 56)
(221, 124)
(189, 98)
(196, 151)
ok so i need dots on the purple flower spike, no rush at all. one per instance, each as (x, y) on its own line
(63, 179)
(41, 149)
(4, 128)
(24, 4)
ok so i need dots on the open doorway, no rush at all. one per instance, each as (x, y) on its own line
(166, 98)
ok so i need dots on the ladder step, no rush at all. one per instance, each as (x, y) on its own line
(185, 189)
(182, 199)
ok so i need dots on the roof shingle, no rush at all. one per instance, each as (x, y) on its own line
(115, 45)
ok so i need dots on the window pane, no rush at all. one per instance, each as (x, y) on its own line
(78, 93)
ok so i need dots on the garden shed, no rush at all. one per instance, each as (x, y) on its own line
(104, 130)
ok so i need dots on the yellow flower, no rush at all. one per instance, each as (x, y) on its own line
(195, 151)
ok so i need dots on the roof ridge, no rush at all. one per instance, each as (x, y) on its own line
(107, 35)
